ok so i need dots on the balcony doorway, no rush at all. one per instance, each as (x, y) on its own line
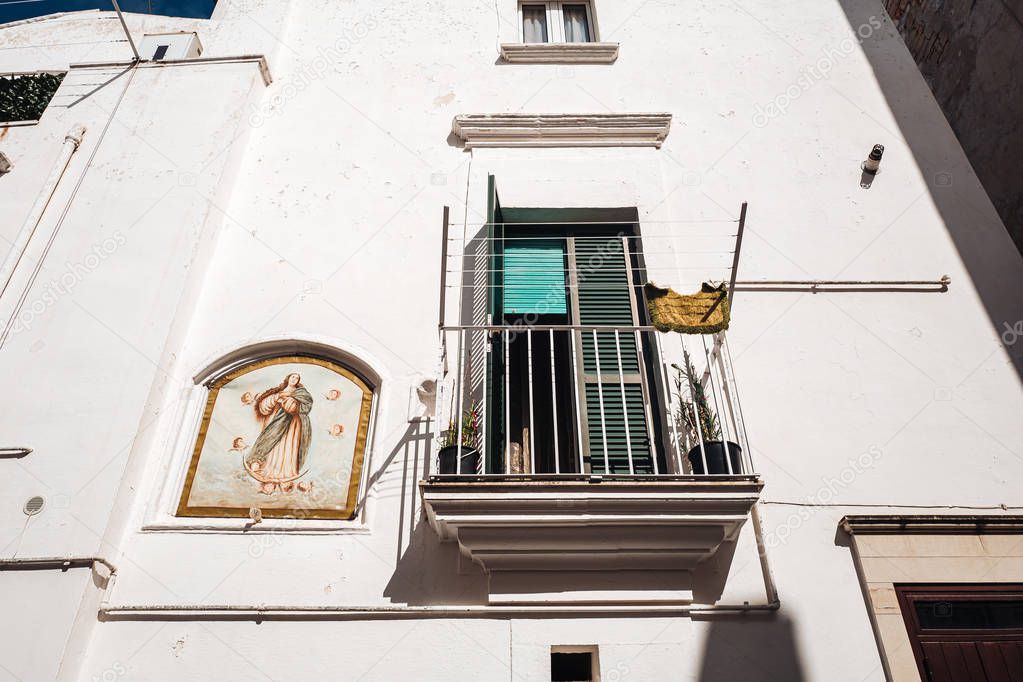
(570, 376)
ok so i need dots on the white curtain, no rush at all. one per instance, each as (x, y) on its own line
(534, 23)
(577, 29)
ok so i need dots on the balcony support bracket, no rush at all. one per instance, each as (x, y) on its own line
(578, 542)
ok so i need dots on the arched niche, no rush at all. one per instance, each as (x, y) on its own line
(284, 430)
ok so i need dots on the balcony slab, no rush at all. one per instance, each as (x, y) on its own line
(589, 540)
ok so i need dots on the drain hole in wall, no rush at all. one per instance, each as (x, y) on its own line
(34, 505)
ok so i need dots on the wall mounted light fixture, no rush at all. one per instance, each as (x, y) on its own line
(873, 161)
(871, 166)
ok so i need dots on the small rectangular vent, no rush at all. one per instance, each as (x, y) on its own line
(571, 667)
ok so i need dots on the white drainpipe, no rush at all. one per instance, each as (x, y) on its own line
(28, 228)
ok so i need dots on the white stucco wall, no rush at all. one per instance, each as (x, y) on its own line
(310, 209)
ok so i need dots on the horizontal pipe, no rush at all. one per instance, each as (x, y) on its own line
(944, 280)
(267, 612)
(839, 286)
(55, 562)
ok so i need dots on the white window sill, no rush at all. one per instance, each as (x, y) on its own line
(559, 53)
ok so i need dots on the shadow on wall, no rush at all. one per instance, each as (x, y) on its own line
(970, 54)
(433, 573)
(710, 576)
(427, 571)
(983, 244)
(750, 648)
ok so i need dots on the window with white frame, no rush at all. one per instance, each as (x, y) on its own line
(556, 22)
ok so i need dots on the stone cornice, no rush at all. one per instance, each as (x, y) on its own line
(562, 130)
(897, 524)
(559, 53)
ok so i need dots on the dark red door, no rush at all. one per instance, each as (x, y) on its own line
(965, 633)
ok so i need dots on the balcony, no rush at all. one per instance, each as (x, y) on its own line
(588, 456)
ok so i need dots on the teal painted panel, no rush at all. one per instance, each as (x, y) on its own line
(534, 277)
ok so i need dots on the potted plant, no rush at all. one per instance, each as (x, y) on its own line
(448, 456)
(697, 422)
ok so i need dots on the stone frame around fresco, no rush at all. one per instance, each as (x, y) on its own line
(348, 512)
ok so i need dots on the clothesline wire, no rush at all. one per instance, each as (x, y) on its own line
(599, 222)
(469, 254)
(675, 285)
(595, 271)
(605, 237)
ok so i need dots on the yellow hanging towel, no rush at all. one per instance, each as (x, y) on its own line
(705, 312)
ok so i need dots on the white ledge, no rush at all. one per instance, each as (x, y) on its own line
(540, 542)
(18, 124)
(562, 130)
(258, 59)
(559, 53)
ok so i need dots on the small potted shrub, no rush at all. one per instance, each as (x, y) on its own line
(697, 407)
(448, 455)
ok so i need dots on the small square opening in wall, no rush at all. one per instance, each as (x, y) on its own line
(574, 664)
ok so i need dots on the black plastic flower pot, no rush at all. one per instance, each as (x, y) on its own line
(714, 451)
(448, 460)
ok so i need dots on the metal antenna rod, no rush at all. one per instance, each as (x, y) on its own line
(738, 249)
(124, 25)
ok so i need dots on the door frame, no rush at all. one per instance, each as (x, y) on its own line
(909, 594)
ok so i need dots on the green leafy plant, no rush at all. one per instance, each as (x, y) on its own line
(24, 98)
(693, 405)
(470, 430)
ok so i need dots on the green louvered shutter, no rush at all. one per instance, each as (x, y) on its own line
(614, 422)
(534, 277)
(605, 298)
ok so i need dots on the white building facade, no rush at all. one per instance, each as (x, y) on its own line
(377, 198)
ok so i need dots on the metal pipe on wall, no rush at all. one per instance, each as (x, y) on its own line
(72, 141)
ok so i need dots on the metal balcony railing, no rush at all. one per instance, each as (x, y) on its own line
(550, 367)
(591, 400)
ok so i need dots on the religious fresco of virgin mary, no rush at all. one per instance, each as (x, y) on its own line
(286, 435)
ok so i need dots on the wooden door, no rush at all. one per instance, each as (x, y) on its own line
(965, 633)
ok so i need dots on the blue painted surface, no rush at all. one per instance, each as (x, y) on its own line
(534, 277)
(13, 10)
